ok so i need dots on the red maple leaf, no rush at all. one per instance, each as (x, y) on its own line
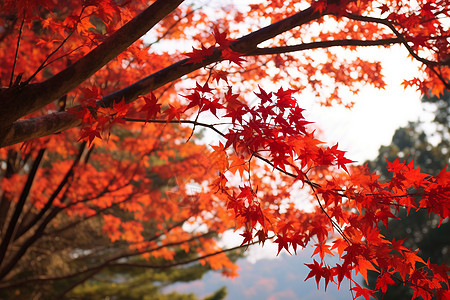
(366, 293)
(173, 112)
(383, 281)
(322, 249)
(341, 160)
(212, 106)
(220, 75)
(232, 56)
(221, 38)
(283, 242)
(248, 237)
(199, 55)
(318, 271)
(89, 134)
(384, 8)
(151, 107)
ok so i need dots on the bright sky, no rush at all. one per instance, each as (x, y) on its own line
(377, 113)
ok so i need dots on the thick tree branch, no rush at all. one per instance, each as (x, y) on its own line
(24, 130)
(34, 96)
(46, 125)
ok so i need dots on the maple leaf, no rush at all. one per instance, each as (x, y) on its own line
(384, 8)
(363, 266)
(232, 56)
(341, 272)
(246, 192)
(340, 245)
(366, 293)
(248, 237)
(212, 106)
(414, 176)
(219, 157)
(264, 96)
(202, 88)
(285, 99)
(396, 166)
(221, 38)
(89, 134)
(195, 99)
(282, 242)
(261, 236)
(316, 271)
(383, 282)
(151, 107)
(238, 164)
(90, 93)
(324, 157)
(397, 245)
(199, 55)
(322, 249)
(220, 75)
(412, 258)
(173, 112)
(320, 6)
(236, 109)
(341, 160)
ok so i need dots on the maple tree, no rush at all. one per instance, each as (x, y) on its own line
(77, 73)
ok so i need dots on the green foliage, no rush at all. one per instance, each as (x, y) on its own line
(148, 284)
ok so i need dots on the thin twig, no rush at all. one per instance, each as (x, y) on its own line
(429, 63)
(17, 52)
(43, 65)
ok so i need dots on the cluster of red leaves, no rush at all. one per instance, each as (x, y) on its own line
(97, 121)
(275, 132)
(223, 45)
(349, 203)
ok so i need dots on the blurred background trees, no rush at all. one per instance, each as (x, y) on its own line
(109, 222)
(428, 144)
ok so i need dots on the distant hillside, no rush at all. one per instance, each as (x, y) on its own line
(269, 279)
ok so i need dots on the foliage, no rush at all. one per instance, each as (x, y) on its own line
(80, 72)
(421, 231)
(142, 284)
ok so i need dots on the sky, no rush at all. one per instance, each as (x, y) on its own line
(377, 113)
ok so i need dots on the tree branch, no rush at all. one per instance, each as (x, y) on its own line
(17, 52)
(19, 206)
(35, 96)
(322, 44)
(112, 263)
(24, 228)
(100, 266)
(42, 126)
(429, 63)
